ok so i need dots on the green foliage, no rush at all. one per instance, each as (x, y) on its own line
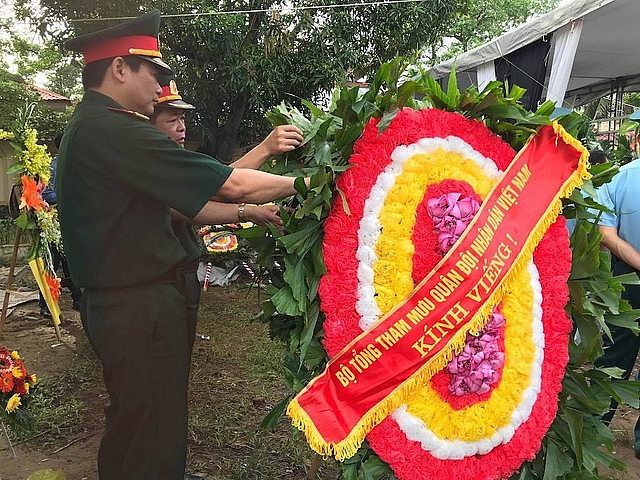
(365, 465)
(235, 67)
(15, 95)
(294, 262)
(483, 20)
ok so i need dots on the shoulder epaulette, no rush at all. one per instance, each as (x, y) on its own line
(129, 112)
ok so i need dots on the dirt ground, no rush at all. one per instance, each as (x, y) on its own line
(213, 449)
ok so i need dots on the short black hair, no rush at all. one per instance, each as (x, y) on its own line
(94, 72)
(597, 156)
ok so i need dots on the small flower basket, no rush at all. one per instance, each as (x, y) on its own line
(16, 388)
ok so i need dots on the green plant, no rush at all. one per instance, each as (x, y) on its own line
(294, 262)
(7, 231)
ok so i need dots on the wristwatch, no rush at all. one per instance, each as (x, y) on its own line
(241, 212)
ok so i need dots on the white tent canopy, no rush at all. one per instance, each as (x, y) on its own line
(594, 49)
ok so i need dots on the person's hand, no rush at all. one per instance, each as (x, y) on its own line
(283, 139)
(263, 214)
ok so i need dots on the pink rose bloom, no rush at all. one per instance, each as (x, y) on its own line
(451, 224)
(476, 368)
(439, 207)
(467, 208)
(446, 241)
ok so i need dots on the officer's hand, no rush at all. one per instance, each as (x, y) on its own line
(264, 214)
(283, 139)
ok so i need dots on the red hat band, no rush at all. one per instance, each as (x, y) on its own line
(169, 92)
(122, 46)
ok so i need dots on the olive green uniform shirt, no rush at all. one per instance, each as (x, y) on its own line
(188, 239)
(117, 178)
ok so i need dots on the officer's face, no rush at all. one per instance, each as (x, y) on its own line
(145, 89)
(171, 122)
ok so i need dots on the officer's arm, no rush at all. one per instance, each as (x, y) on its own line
(282, 139)
(217, 213)
(255, 186)
(619, 247)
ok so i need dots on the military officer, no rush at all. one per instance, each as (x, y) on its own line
(118, 178)
(169, 117)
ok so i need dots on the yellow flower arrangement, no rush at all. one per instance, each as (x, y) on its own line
(33, 170)
(35, 158)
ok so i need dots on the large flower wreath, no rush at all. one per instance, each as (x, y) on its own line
(573, 444)
(487, 412)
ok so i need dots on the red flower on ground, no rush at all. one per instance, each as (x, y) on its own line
(6, 382)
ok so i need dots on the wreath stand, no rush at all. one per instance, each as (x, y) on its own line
(8, 291)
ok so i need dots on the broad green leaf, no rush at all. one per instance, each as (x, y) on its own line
(575, 422)
(301, 241)
(311, 319)
(294, 275)
(556, 463)
(15, 168)
(387, 118)
(285, 302)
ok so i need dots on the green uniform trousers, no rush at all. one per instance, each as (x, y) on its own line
(144, 334)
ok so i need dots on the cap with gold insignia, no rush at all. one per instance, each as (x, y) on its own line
(170, 97)
(138, 36)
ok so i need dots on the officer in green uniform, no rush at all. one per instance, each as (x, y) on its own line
(118, 178)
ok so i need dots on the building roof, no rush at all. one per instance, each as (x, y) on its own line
(48, 95)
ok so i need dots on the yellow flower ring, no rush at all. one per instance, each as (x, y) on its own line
(387, 244)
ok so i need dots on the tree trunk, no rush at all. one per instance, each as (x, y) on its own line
(222, 144)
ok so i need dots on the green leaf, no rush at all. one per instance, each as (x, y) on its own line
(300, 242)
(272, 418)
(452, 87)
(294, 275)
(375, 469)
(310, 321)
(575, 422)
(387, 118)
(626, 391)
(323, 154)
(15, 168)
(285, 302)
(26, 222)
(556, 463)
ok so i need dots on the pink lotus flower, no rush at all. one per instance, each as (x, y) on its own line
(467, 207)
(439, 207)
(451, 216)
(476, 368)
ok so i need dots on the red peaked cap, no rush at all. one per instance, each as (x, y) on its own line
(138, 36)
(170, 98)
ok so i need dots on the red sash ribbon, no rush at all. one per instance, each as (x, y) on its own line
(373, 375)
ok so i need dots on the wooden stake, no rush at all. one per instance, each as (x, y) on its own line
(12, 267)
(6, 434)
(315, 466)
